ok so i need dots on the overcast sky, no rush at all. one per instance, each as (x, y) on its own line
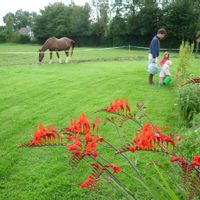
(29, 5)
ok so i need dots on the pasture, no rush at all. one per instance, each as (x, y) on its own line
(31, 93)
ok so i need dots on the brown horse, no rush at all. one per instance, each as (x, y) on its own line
(54, 44)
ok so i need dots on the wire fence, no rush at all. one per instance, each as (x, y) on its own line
(13, 58)
(130, 47)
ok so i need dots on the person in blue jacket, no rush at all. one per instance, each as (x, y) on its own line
(154, 49)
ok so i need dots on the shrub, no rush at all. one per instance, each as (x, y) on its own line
(185, 54)
(22, 39)
(2, 36)
(191, 141)
(188, 102)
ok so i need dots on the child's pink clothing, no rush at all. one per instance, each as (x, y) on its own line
(164, 59)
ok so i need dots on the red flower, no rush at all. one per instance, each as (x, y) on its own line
(116, 168)
(91, 146)
(41, 135)
(75, 147)
(177, 159)
(82, 126)
(150, 138)
(119, 106)
(196, 161)
(133, 148)
(88, 182)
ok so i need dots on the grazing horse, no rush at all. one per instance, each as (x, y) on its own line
(54, 44)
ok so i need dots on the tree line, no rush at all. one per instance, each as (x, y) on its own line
(108, 23)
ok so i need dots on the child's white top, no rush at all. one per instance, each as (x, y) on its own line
(165, 70)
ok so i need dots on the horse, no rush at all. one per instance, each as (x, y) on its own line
(55, 44)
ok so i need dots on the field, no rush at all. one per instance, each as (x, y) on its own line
(33, 93)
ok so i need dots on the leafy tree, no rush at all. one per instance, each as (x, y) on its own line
(60, 20)
(142, 24)
(118, 30)
(80, 18)
(23, 19)
(101, 17)
(9, 21)
(2, 34)
(180, 19)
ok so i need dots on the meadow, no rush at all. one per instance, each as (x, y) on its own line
(52, 94)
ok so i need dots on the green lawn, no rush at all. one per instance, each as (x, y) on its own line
(31, 93)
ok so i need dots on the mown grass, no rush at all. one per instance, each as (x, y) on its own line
(33, 93)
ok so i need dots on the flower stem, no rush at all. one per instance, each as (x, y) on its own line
(117, 181)
(125, 156)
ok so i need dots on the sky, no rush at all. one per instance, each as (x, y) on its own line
(29, 5)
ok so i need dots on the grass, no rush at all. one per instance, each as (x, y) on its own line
(33, 93)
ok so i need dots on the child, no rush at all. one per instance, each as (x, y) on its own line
(164, 73)
(164, 59)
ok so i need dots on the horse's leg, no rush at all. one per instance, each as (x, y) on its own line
(59, 60)
(67, 55)
(50, 62)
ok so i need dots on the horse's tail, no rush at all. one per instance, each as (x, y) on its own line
(73, 45)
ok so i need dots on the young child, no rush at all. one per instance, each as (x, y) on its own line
(164, 59)
(164, 73)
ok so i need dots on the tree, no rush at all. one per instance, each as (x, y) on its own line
(101, 15)
(23, 19)
(60, 20)
(145, 21)
(118, 30)
(9, 21)
(180, 19)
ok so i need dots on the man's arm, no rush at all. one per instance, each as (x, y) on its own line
(154, 48)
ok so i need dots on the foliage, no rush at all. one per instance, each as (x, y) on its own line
(22, 39)
(117, 30)
(181, 20)
(2, 35)
(188, 102)
(23, 19)
(185, 54)
(118, 22)
(59, 20)
(191, 141)
(9, 21)
(83, 137)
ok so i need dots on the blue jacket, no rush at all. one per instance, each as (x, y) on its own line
(155, 47)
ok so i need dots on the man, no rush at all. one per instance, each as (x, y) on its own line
(154, 49)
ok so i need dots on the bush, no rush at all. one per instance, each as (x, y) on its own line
(22, 39)
(188, 102)
(185, 54)
(191, 142)
(2, 36)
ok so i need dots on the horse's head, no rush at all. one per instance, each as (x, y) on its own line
(41, 55)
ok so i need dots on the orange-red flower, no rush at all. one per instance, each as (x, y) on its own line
(149, 137)
(177, 159)
(43, 135)
(120, 106)
(115, 168)
(196, 161)
(88, 182)
(76, 147)
(82, 125)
